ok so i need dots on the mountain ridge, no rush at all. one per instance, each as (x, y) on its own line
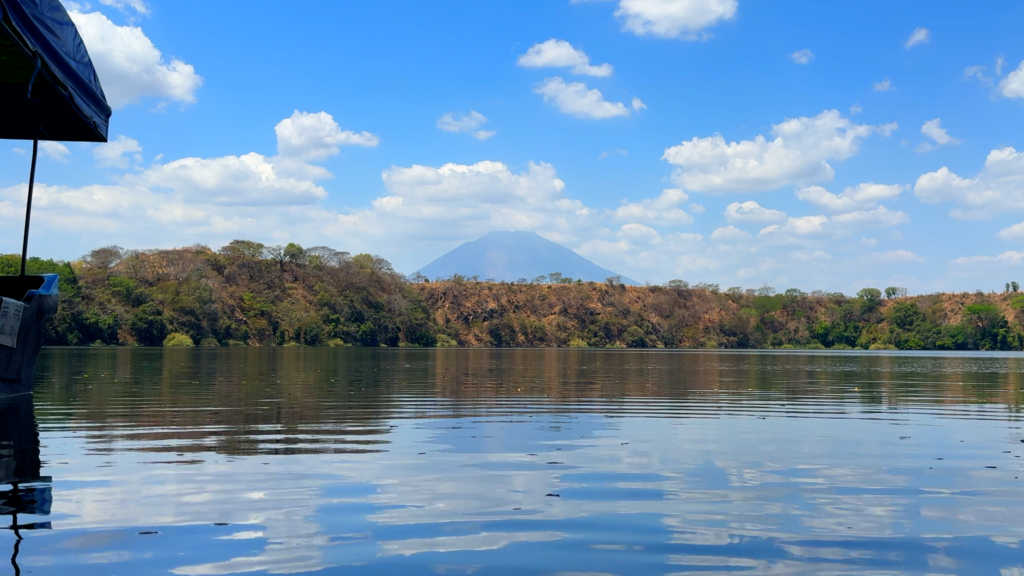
(509, 256)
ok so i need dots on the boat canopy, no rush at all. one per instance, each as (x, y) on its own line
(49, 89)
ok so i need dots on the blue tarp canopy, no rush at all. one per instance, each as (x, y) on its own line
(42, 55)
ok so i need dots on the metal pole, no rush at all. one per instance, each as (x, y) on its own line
(28, 208)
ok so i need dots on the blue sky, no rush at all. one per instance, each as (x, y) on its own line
(710, 140)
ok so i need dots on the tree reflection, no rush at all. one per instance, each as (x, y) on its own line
(27, 492)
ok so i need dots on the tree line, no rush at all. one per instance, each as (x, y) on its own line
(250, 294)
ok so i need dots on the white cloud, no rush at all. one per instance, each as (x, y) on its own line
(638, 104)
(1012, 232)
(799, 226)
(1000, 62)
(934, 130)
(876, 218)
(18, 150)
(799, 154)
(895, 257)
(471, 122)
(310, 136)
(750, 211)
(870, 242)
(556, 53)
(663, 210)
(862, 196)
(118, 153)
(883, 86)
(730, 234)
(606, 154)
(796, 229)
(977, 72)
(462, 123)
(424, 211)
(855, 109)
(130, 67)
(575, 99)
(247, 180)
(139, 6)
(802, 56)
(685, 19)
(998, 187)
(1008, 257)
(918, 36)
(55, 150)
(1013, 85)
(639, 232)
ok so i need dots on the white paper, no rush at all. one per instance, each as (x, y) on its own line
(10, 322)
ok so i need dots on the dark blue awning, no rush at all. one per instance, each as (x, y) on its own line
(41, 52)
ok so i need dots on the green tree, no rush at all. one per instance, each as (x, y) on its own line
(294, 253)
(148, 326)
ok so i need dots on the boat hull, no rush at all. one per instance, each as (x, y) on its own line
(17, 364)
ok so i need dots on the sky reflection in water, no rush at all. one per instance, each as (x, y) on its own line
(203, 462)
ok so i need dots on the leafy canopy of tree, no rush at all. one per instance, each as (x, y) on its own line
(251, 294)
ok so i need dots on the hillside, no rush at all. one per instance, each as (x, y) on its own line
(250, 294)
(512, 256)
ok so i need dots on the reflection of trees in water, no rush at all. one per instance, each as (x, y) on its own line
(244, 401)
(23, 490)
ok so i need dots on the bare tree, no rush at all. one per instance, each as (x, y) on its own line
(104, 258)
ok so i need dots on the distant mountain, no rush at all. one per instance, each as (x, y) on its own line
(510, 256)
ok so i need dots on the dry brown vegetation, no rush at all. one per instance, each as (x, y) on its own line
(250, 294)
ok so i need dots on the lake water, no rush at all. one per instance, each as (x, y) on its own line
(555, 462)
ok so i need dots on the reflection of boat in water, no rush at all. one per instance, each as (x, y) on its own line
(24, 491)
(49, 90)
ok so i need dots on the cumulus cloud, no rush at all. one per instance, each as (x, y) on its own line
(309, 136)
(471, 122)
(1009, 257)
(883, 85)
(55, 150)
(802, 56)
(663, 210)
(799, 226)
(998, 187)
(1012, 232)
(799, 153)
(638, 104)
(934, 130)
(247, 180)
(202, 199)
(752, 212)
(139, 6)
(794, 229)
(876, 218)
(730, 234)
(859, 197)
(130, 67)
(895, 257)
(1013, 85)
(556, 53)
(118, 153)
(577, 100)
(684, 19)
(918, 36)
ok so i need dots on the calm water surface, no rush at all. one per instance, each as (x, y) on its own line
(349, 461)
